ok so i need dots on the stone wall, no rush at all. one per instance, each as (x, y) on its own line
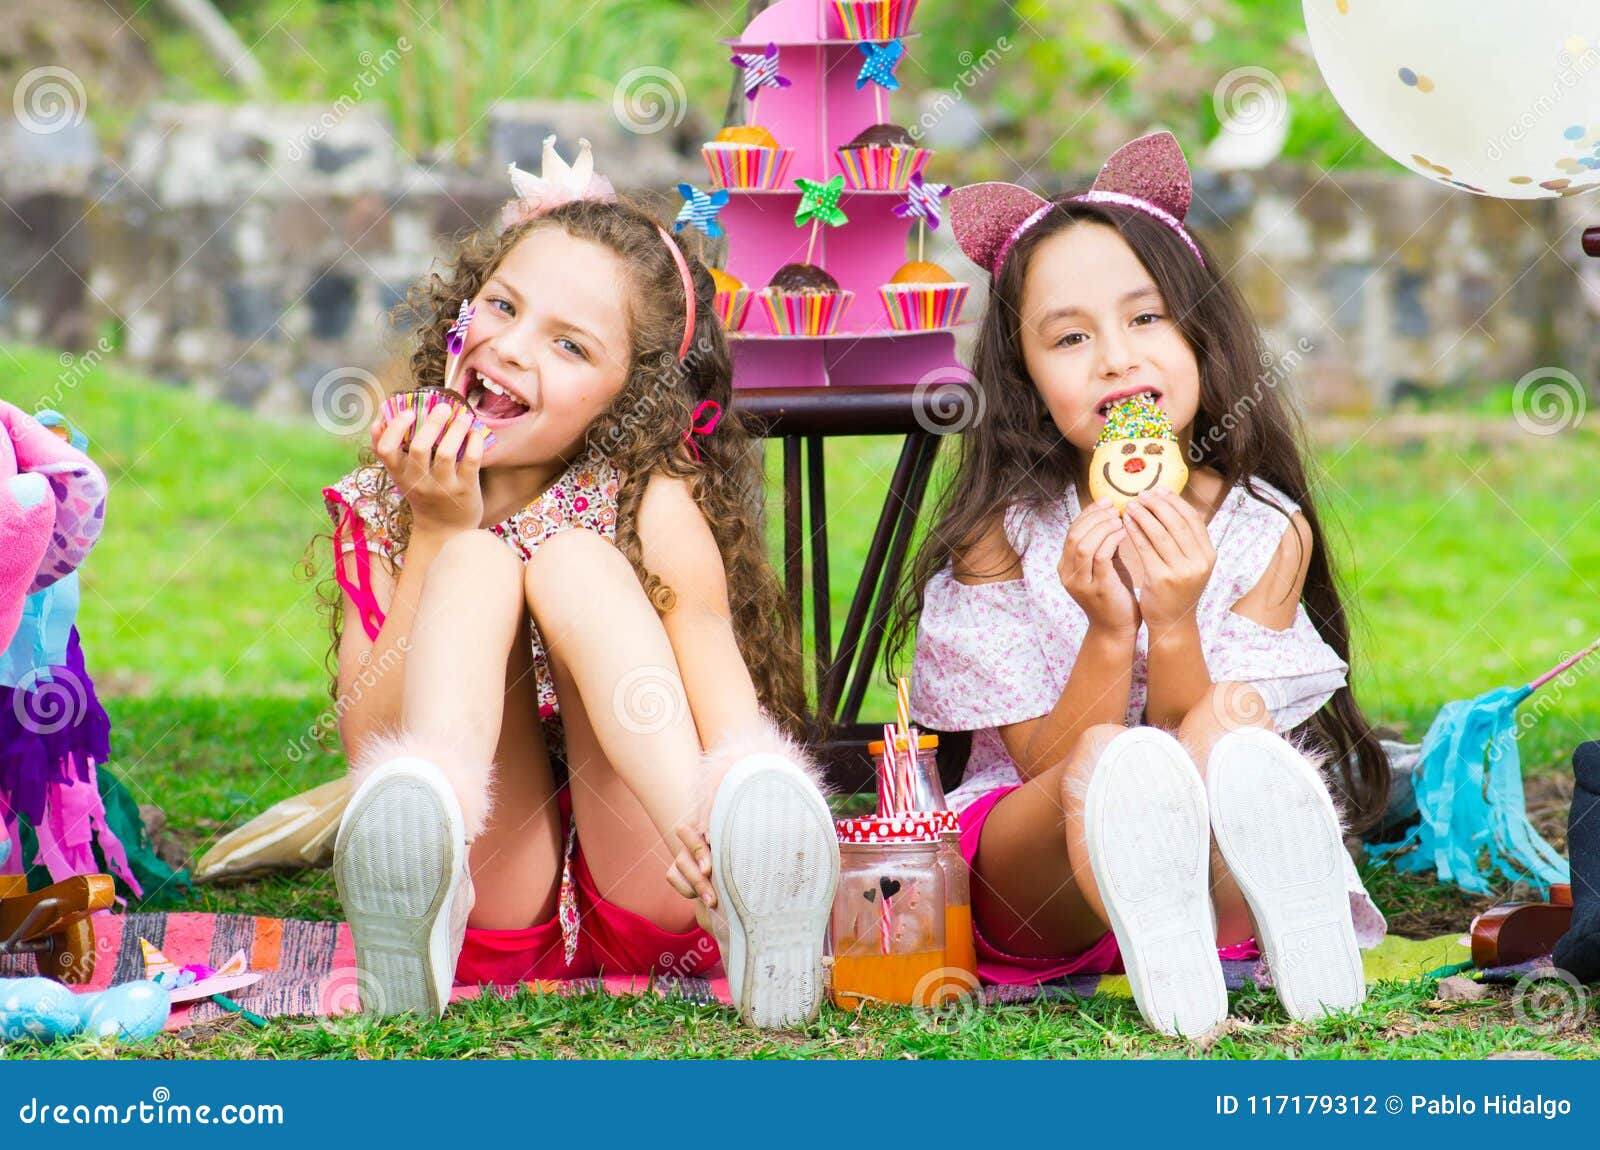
(251, 252)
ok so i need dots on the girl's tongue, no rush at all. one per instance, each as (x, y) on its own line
(494, 406)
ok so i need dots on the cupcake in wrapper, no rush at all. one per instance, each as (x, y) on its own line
(732, 301)
(746, 156)
(415, 406)
(883, 157)
(802, 299)
(874, 19)
(922, 296)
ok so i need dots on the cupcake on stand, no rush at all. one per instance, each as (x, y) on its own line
(921, 295)
(748, 155)
(883, 156)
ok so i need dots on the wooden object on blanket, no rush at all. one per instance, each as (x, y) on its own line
(1516, 932)
(54, 924)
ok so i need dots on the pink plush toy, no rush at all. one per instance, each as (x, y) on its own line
(52, 507)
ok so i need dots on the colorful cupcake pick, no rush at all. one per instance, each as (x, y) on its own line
(700, 210)
(760, 71)
(922, 203)
(878, 70)
(819, 204)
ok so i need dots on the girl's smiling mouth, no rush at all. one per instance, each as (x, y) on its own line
(492, 401)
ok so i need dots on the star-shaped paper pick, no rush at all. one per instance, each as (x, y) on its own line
(922, 201)
(881, 62)
(700, 210)
(760, 70)
(820, 202)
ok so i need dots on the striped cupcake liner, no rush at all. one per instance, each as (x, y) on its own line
(874, 19)
(881, 167)
(805, 313)
(923, 308)
(732, 307)
(745, 167)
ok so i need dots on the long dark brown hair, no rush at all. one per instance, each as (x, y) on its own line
(642, 431)
(1012, 454)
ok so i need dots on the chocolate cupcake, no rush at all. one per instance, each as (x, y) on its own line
(803, 299)
(881, 157)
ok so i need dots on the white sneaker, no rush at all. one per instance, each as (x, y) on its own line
(1279, 834)
(400, 864)
(775, 865)
(1150, 848)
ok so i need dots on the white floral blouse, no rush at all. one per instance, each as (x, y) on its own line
(991, 654)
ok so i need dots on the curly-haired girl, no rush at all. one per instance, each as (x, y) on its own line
(624, 792)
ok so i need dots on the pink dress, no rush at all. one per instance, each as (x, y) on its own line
(991, 654)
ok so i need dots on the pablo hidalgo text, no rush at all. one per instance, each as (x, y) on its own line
(1495, 1105)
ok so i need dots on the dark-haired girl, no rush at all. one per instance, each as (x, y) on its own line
(1131, 799)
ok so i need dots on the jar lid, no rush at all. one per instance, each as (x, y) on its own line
(915, 827)
(945, 822)
(924, 743)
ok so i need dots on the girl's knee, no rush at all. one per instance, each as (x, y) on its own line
(1080, 764)
(1228, 706)
(476, 557)
(572, 558)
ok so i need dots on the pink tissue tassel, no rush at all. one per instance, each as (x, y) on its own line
(75, 816)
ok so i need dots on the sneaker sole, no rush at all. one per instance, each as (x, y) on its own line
(400, 842)
(1279, 834)
(775, 865)
(1149, 846)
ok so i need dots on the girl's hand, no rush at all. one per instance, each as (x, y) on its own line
(1088, 570)
(1175, 555)
(690, 872)
(443, 493)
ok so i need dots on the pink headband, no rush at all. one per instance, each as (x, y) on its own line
(560, 183)
(1149, 175)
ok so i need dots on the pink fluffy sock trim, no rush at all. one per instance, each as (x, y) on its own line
(763, 736)
(471, 780)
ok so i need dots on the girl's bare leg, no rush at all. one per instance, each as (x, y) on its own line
(764, 848)
(607, 642)
(1032, 886)
(1225, 707)
(470, 688)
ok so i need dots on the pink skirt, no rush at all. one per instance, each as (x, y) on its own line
(1004, 969)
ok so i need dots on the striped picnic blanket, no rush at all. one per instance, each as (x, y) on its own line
(310, 968)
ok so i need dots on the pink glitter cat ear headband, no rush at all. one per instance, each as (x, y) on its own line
(1148, 174)
(559, 183)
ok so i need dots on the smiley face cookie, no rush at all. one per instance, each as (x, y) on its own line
(1137, 451)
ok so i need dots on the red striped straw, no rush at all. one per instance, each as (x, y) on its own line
(889, 775)
(885, 927)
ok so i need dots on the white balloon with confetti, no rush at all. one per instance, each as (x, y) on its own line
(1497, 97)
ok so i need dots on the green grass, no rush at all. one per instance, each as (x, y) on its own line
(1471, 566)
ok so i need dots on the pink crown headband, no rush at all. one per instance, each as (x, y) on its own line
(560, 183)
(1148, 174)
